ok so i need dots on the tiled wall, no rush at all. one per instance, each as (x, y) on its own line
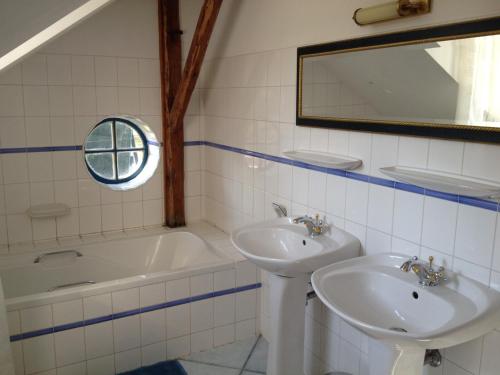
(247, 101)
(124, 330)
(52, 99)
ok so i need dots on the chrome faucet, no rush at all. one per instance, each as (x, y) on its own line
(315, 226)
(280, 209)
(427, 276)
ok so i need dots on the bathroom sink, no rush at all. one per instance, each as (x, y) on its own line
(374, 295)
(284, 248)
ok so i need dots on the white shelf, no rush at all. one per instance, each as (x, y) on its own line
(324, 159)
(444, 182)
(42, 211)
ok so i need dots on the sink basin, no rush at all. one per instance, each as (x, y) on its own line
(282, 247)
(372, 294)
(287, 251)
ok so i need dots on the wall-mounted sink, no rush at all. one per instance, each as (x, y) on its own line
(284, 248)
(290, 253)
(372, 294)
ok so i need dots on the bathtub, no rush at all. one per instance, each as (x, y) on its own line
(57, 274)
(114, 305)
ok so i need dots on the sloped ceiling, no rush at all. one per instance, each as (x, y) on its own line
(25, 25)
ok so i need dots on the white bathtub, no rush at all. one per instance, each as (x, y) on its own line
(156, 296)
(76, 271)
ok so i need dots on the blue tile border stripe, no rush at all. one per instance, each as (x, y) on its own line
(20, 150)
(124, 314)
(475, 202)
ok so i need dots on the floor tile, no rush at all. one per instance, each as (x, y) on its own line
(232, 355)
(193, 368)
(258, 360)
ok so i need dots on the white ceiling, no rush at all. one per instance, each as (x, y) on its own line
(27, 24)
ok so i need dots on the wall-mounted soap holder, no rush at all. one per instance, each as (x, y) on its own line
(42, 211)
(324, 159)
(444, 182)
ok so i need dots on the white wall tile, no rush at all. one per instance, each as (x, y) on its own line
(13, 132)
(36, 318)
(39, 354)
(127, 333)
(384, 153)
(178, 321)
(380, 208)
(125, 300)
(224, 310)
(178, 347)
(90, 219)
(201, 341)
(153, 327)
(62, 131)
(58, 70)
(201, 284)
(471, 270)
(446, 155)
(408, 226)
(69, 346)
(101, 366)
(84, 100)
(357, 201)
(475, 235)
(106, 71)
(154, 353)
(60, 101)
(128, 72)
(177, 289)
(82, 69)
(317, 190)
(97, 306)
(67, 312)
(75, 369)
(127, 360)
(413, 152)
(37, 131)
(11, 101)
(99, 340)
(439, 224)
(19, 228)
(35, 70)
(36, 100)
(202, 315)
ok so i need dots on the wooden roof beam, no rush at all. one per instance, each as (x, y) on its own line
(176, 90)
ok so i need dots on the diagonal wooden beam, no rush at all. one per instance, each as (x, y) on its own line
(173, 138)
(204, 28)
(176, 93)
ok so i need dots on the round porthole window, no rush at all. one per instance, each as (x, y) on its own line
(121, 152)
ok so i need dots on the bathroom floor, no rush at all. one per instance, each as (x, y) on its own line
(246, 357)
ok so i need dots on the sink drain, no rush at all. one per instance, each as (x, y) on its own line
(398, 329)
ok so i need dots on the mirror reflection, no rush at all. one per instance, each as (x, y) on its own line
(454, 82)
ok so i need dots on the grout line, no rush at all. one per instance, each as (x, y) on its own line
(250, 354)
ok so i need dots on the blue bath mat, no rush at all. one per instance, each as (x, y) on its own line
(162, 368)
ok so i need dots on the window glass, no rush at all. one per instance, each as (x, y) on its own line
(102, 164)
(101, 137)
(121, 152)
(127, 137)
(129, 163)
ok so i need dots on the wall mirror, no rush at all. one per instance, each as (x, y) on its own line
(436, 82)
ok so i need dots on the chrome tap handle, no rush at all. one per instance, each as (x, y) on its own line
(280, 209)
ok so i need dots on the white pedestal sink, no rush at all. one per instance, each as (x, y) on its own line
(285, 249)
(372, 294)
